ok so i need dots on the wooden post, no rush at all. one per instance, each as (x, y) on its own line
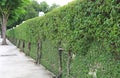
(60, 62)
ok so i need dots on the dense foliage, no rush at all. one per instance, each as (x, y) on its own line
(87, 28)
(9, 9)
(30, 10)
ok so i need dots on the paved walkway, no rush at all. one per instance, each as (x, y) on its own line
(14, 64)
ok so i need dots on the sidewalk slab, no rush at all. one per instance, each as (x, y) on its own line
(14, 64)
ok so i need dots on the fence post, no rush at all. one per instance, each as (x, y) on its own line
(60, 50)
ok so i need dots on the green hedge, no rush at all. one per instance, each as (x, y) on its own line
(89, 29)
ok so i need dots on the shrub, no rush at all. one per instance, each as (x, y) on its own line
(87, 29)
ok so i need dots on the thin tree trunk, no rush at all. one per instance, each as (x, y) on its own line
(60, 50)
(29, 47)
(39, 52)
(1, 32)
(68, 63)
(1, 29)
(4, 23)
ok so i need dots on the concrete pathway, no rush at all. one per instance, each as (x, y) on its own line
(14, 64)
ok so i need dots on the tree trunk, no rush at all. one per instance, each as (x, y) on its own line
(60, 50)
(39, 52)
(4, 23)
(1, 33)
(1, 29)
(69, 62)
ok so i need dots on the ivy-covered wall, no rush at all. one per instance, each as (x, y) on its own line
(87, 30)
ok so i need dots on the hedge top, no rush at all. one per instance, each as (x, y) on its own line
(77, 22)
